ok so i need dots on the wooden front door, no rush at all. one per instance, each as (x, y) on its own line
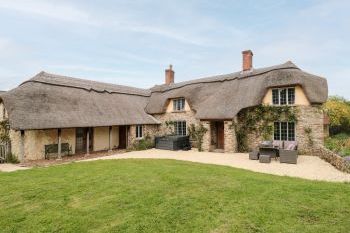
(122, 137)
(220, 134)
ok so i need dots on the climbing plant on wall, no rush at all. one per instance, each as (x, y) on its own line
(197, 133)
(4, 131)
(260, 120)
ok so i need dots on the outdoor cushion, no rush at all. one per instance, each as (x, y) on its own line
(290, 145)
(278, 144)
(267, 143)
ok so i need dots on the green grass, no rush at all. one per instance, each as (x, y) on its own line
(167, 196)
(339, 143)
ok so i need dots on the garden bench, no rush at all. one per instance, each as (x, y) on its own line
(51, 150)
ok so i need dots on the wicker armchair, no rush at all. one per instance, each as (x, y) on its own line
(290, 154)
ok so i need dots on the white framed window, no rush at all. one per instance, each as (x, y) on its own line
(283, 96)
(284, 131)
(179, 104)
(180, 128)
(139, 131)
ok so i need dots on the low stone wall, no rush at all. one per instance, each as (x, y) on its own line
(332, 158)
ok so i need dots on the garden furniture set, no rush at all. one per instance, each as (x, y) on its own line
(286, 151)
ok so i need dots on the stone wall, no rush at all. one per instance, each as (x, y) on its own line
(150, 130)
(308, 117)
(332, 158)
(206, 146)
(230, 141)
(187, 116)
(35, 141)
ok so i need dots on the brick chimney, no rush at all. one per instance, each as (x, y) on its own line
(169, 75)
(247, 60)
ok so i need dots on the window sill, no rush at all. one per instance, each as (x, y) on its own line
(180, 111)
(281, 105)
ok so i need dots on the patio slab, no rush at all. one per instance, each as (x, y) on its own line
(308, 167)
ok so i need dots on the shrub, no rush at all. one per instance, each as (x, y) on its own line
(11, 158)
(339, 143)
(143, 144)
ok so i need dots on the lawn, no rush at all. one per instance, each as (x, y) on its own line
(167, 196)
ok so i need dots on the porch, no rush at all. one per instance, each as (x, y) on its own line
(57, 143)
(220, 136)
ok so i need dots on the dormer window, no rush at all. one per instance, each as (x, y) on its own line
(179, 104)
(283, 96)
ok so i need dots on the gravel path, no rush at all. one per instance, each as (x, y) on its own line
(308, 167)
(8, 167)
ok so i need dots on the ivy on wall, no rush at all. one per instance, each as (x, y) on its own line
(260, 120)
(170, 127)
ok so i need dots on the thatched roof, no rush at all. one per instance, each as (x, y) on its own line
(223, 96)
(53, 101)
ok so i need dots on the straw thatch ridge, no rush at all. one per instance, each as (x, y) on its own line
(223, 96)
(89, 85)
(52, 101)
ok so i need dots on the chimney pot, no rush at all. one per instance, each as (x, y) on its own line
(169, 75)
(247, 60)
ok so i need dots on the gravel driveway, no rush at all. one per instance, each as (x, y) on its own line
(308, 167)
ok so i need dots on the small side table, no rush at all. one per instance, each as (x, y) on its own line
(264, 159)
(254, 155)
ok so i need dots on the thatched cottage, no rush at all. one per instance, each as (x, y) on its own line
(92, 116)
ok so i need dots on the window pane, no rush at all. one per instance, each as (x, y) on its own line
(180, 127)
(291, 95)
(283, 96)
(275, 97)
(283, 131)
(138, 131)
(276, 131)
(291, 131)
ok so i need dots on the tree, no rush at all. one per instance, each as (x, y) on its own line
(338, 110)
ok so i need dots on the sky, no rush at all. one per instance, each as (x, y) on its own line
(133, 42)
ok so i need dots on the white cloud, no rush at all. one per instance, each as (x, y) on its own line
(51, 9)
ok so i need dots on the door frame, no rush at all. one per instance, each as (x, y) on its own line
(84, 138)
(220, 135)
(123, 137)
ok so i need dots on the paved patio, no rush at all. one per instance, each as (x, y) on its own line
(308, 167)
